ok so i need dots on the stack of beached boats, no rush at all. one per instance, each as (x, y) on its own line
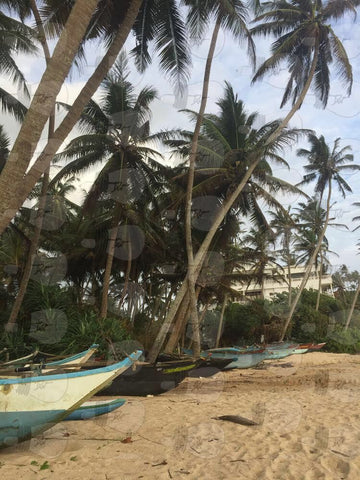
(34, 396)
(251, 356)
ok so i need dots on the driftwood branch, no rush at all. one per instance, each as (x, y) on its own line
(236, 419)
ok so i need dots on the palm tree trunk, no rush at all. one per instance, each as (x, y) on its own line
(42, 105)
(127, 276)
(108, 267)
(201, 253)
(221, 321)
(10, 203)
(319, 285)
(188, 224)
(308, 268)
(180, 320)
(290, 282)
(288, 264)
(352, 308)
(12, 321)
(34, 245)
(262, 294)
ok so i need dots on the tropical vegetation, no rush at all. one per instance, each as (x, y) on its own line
(174, 223)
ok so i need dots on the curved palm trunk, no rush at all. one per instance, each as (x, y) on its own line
(42, 105)
(190, 279)
(352, 308)
(308, 268)
(34, 245)
(201, 253)
(319, 285)
(194, 146)
(177, 328)
(15, 175)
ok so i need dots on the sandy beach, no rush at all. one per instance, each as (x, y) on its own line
(306, 408)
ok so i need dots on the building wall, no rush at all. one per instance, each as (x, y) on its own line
(278, 284)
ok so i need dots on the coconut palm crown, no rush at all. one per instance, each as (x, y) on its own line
(307, 44)
(326, 164)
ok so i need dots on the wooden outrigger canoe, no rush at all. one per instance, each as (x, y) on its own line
(77, 359)
(31, 405)
(151, 379)
(240, 358)
(73, 360)
(19, 361)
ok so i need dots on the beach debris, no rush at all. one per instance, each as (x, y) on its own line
(236, 419)
(127, 440)
(164, 462)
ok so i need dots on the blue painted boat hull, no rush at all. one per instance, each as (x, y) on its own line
(31, 405)
(273, 354)
(95, 409)
(244, 360)
(23, 425)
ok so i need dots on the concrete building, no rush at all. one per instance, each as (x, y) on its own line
(278, 283)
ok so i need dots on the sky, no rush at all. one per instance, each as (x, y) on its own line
(340, 119)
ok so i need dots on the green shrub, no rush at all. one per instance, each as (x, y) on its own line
(243, 323)
(343, 341)
(85, 327)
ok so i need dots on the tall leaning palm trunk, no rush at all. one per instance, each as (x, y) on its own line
(42, 105)
(320, 281)
(48, 89)
(191, 275)
(34, 241)
(308, 267)
(288, 265)
(352, 308)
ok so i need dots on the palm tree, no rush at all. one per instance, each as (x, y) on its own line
(232, 16)
(231, 146)
(283, 225)
(259, 256)
(307, 43)
(115, 135)
(311, 218)
(325, 165)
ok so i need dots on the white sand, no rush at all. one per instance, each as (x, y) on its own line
(307, 407)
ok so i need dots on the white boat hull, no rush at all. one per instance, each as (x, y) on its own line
(31, 405)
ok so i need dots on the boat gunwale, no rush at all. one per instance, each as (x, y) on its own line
(127, 362)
